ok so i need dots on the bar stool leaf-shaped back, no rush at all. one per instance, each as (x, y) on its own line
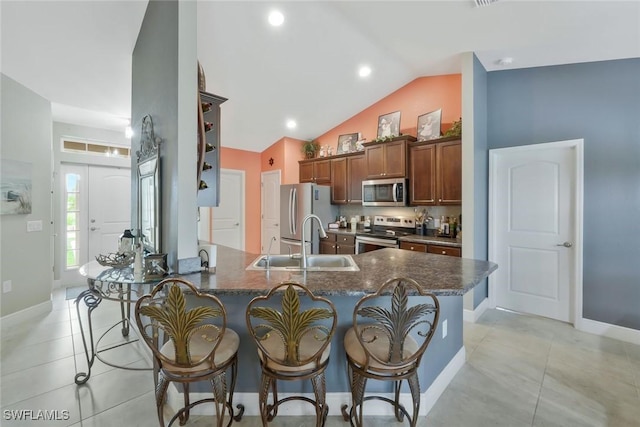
(189, 345)
(293, 344)
(391, 331)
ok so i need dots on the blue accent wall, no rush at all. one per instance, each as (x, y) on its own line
(600, 103)
(480, 174)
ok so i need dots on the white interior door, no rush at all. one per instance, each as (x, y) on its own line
(96, 209)
(533, 228)
(227, 219)
(270, 215)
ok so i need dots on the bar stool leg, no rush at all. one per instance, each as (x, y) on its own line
(319, 389)
(414, 385)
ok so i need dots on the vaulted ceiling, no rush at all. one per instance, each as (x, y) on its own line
(77, 54)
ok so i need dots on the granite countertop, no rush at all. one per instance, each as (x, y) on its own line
(341, 231)
(442, 275)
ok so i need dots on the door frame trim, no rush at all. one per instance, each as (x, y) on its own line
(278, 173)
(575, 291)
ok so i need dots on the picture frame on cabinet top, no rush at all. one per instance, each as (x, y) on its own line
(347, 143)
(429, 125)
(389, 125)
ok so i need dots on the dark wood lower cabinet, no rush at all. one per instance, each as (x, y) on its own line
(338, 244)
(432, 249)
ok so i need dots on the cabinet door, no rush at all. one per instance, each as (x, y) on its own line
(357, 171)
(322, 171)
(339, 181)
(423, 175)
(327, 247)
(395, 159)
(374, 157)
(450, 173)
(306, 172)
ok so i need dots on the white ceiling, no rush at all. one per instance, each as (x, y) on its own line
(77, 54)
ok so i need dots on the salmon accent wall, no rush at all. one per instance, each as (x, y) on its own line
(285, 154)
(248, 161)
(422, 95)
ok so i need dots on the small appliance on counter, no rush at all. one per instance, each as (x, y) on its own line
(207, 253)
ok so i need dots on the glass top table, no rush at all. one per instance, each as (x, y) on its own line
(110, 284)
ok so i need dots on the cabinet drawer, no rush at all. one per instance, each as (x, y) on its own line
(444, 250)
(410, 246)
(346, 240)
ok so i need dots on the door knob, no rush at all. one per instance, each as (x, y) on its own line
(566, 244)
(236, 224)
(94, 228)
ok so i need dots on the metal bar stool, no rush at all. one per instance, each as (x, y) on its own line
(189, 346)
(391, 331)
(293, 345)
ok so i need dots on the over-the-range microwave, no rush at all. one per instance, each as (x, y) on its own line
(384, 192)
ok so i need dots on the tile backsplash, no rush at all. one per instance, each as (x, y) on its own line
(433, 211)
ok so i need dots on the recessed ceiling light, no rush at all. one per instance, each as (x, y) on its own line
(291, 124)
(505, 61)
(276, 18)
(364, 71)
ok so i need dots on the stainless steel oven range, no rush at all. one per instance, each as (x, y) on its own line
(384, 233)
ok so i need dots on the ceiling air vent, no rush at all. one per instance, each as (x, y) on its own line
(484, 2)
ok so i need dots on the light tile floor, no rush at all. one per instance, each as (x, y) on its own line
(520, 371)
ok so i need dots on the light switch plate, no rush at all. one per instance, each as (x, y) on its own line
(34, 226)
(444, 329)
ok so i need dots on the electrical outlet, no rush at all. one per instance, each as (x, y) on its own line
(444, 329)
(34, 226)
(6, 286)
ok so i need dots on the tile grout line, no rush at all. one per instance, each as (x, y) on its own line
(544, 374)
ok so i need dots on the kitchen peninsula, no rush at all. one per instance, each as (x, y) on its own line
(447, 277)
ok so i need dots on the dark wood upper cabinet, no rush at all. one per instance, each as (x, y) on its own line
(436, 172)
(387, 159)
(316, 171)
(347, 174)
(449, 166)
(357, 170)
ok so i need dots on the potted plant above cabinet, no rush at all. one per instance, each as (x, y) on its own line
(310, 148)
(436, 172)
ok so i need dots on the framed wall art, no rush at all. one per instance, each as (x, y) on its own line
(429, 125)
(389, 125)
(347, 143)
(15, 181)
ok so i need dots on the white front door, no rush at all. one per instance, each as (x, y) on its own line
(270, 218)
(96, 209)
(534, 228)
(227, 220)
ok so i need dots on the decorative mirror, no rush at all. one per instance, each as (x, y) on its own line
(149, 215)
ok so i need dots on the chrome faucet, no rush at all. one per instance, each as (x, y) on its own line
(273, 239)
(323, 234)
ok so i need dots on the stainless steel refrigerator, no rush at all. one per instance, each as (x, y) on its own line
(296, 202)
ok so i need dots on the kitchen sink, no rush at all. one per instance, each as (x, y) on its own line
(314, 263)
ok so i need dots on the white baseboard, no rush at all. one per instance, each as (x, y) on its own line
(472, 316)
(334, 400)
(612, 331)
(12, 320)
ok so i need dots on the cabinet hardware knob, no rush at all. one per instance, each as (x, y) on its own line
(444, 252)
(411, 247)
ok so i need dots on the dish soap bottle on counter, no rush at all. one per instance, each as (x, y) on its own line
(354, 223)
